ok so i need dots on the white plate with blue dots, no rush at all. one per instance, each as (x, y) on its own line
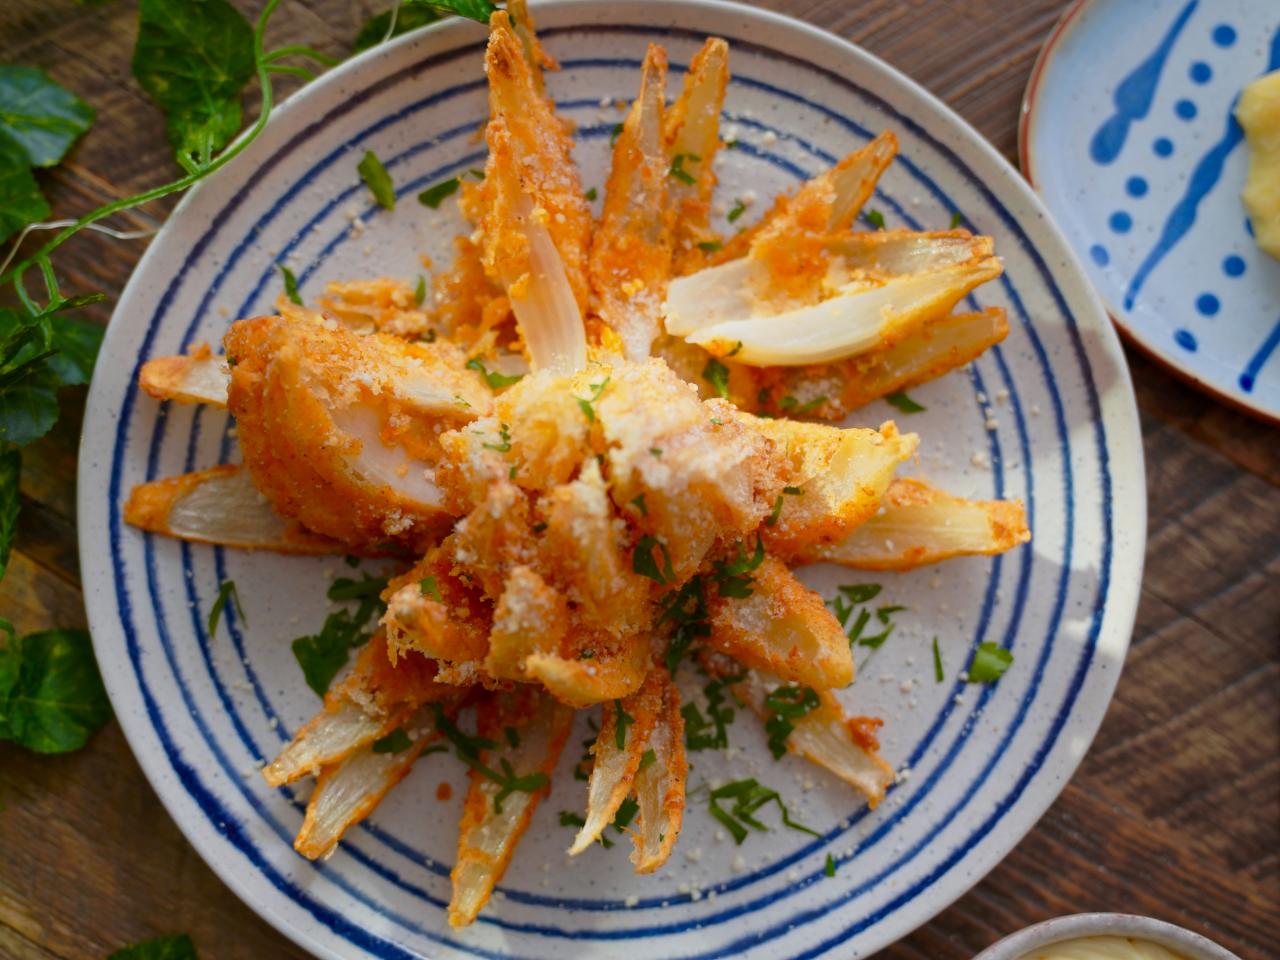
(1128, 134)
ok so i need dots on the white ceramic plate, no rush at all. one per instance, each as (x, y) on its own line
(1128, 134)
(201, 713)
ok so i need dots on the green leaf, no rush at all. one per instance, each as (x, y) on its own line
(717, 374)
(76, 342)
(21, 201)
(586, 404)
(42, 117)
(420, 291)
(10, 671)
(710, 246)
(435, 195)
(376, 178)
(24, 340)
(177, 947)
(394, 742)
(10, 467)
(430, 588)
(938, 673)
(479, 10)
(592, 194)
(410, 17)
(194, 57)
(290, 283)
(58, 701)
(875, 218)
(989, 663)
(830, 867)
(28, 404)
(739, 208)
(900, 401)
(322, 655)
(956, 219)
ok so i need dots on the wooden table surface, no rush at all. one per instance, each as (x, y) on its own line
(1175, 812)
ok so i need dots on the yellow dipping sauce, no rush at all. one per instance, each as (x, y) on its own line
(1259, 114)
(1103, 948)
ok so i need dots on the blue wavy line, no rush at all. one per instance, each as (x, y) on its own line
(1134, 95)
(1206, 176)
(1250, 373)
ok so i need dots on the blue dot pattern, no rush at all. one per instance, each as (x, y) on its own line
(1201, 72)
(1163, 147)
(1185, 109)
(1186, 340)
(1099, 254)
(1120, 222)
(1136, 187)
(1224, 35)
(1207, 304)
(1233, 266)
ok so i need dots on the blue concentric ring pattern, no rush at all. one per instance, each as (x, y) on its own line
(1130, 137)
(1047, 418)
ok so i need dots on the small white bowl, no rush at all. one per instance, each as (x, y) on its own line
(1183, 942)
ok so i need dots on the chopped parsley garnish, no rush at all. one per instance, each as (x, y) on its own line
(351, 560)
(938, 673)
(570, 819)
(733, 576)
(627, 811)
(830, 868)
(638, 502)
(748, 796)
(468, 749)
(394, 742)
(322, 655)
(647, 759)
(717, 374)
(512, 735)
(679, 172)
(850, 597)
(785, 704)
(615, 133)
(539, 526)
(860, 592)
(655, 451)
(420, 291)
(739, 208)
(687, 609)
(376, 178)
(709, 732)
(585, 404)
(290, 283)
(875, 218)
(791, 403)
(226, 591)
(989, 663)
(776, 512)
(737, 347)
(622, 720)
(504, 442)
(900, 401)
(494, 379)
(476, 173)
(592, 194)
(429, 588)
(644, 563)
(956, 218)
(435, 195)
(710, 246)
